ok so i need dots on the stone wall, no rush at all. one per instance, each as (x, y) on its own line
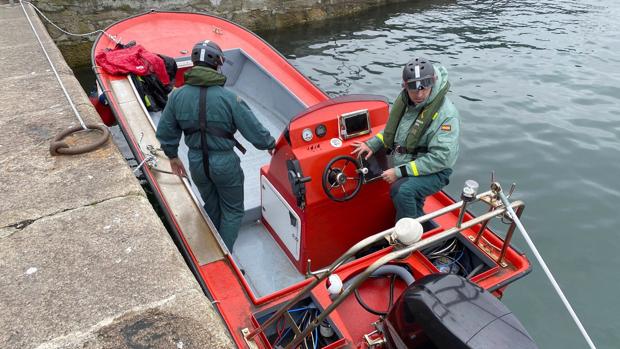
(85, 16)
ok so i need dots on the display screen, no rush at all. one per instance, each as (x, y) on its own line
(376, 164)
(356, 123)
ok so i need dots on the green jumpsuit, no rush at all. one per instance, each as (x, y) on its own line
(427, 172)
(222, 190)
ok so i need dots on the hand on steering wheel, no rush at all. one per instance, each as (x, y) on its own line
(362, 149)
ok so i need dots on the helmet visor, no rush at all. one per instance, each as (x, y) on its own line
(419, 84)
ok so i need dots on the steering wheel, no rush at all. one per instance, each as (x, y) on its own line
(342, 178)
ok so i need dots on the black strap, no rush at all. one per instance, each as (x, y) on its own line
(403, 170)
(202, 117)
(399, 149)
(217, 132)
(220, 132)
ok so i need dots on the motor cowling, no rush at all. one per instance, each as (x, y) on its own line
(449, 311)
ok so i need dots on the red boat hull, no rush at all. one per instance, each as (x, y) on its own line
(328, 228)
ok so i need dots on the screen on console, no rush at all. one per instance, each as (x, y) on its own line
(355, 123)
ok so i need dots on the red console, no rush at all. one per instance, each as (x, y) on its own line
(307, 222)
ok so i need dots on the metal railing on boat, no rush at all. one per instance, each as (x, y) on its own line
(499, 206)
(515, 217)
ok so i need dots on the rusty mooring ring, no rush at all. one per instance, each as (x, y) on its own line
(58, 147)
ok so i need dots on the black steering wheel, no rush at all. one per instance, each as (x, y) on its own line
(342, 178)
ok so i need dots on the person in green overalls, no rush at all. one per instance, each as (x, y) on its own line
(422, 136)
(209, 114)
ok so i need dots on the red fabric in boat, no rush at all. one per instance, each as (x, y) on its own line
(135, 59)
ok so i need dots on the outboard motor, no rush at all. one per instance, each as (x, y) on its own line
(448, 311)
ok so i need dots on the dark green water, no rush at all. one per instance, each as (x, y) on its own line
(538, 87)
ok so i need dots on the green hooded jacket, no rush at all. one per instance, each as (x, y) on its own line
(224, 110)
(441, 138)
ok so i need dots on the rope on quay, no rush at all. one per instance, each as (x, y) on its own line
(557, 288)
(111, 37)
(58, 147)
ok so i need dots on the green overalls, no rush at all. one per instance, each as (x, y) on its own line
(222, 190)
(424, 173)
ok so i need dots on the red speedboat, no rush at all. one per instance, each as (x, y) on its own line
(324, 265)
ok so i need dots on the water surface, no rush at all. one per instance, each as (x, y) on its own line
(537, 84)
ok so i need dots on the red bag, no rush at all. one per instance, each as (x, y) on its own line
(135, 59)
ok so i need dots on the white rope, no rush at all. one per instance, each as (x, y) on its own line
(77, 114)
(111, 37)
(546, 269)
(147, 159)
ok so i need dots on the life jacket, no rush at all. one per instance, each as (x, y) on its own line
(205, 129)
(419, 126)
(153, 93)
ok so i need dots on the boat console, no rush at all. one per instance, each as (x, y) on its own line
(317, 200)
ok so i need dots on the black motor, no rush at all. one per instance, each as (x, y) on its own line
(448, 311)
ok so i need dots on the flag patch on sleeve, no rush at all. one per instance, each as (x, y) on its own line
(446, 128)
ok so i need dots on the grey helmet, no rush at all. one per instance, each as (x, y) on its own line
(207, 53)
(418, 74)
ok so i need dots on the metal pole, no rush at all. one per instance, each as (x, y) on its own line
(557, 288)
(468, 195)
(462, 213)
(367, 241)
(483, 226)
(508, 237)
(359, 279)
(342, 259)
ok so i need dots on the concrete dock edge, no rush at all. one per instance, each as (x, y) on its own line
(85, 262)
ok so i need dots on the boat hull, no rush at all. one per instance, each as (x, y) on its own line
(325, 229)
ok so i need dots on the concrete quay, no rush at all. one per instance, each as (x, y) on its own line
(84, 260)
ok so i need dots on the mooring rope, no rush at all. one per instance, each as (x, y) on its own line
(57, 146)
(111, 37)
(557, 288)
(77, 114)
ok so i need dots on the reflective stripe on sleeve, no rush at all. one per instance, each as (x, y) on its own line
(380, 136)
(414, 168)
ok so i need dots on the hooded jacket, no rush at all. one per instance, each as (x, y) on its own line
(224, 110)
(441, 138)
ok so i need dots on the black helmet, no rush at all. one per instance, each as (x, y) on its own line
(418, 74)
(207, 53)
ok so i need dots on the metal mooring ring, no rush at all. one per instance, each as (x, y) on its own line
(58, 147)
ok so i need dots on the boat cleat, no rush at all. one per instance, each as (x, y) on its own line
(377, 341)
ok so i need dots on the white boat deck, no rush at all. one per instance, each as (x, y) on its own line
(267, 268)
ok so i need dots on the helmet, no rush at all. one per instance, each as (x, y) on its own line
(207, 53)
(418, 74)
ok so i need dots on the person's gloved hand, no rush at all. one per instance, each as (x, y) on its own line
(177, 167)
(362, 149)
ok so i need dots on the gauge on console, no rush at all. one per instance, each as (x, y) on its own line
(320, 130)
(306, 134)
